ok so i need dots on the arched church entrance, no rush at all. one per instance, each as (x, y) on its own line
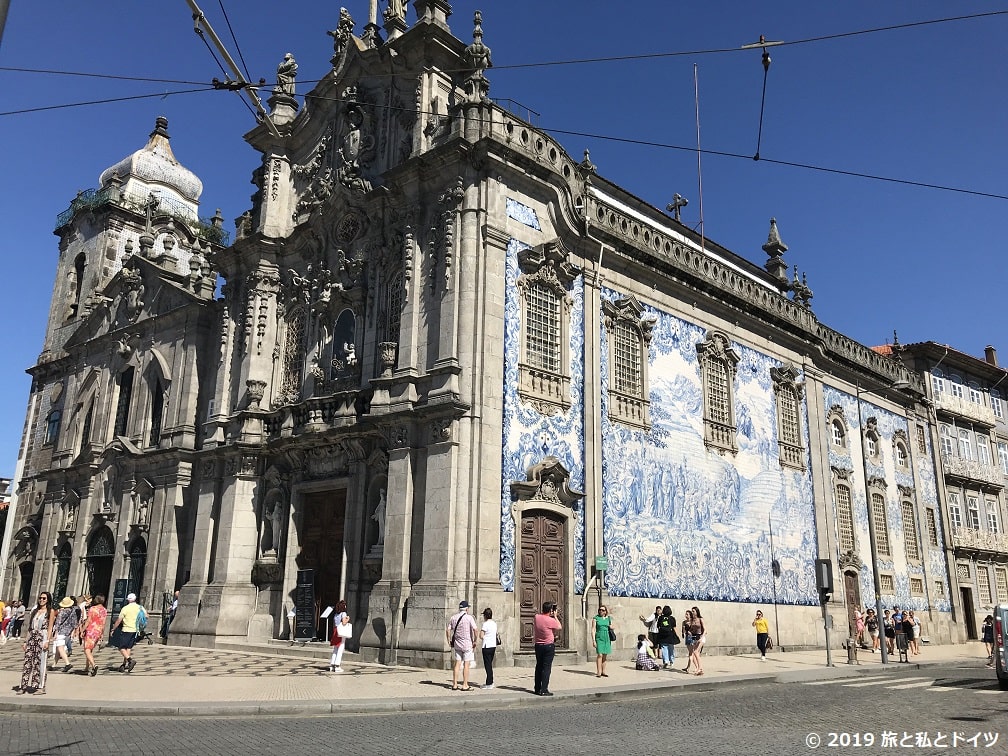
(542, 570)
(137, 565)
(322, 548)
(100, 553)
(26, 571)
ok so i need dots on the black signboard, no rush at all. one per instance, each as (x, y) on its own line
(118, 600)
(304, 602)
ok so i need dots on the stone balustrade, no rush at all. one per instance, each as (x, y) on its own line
(980, 540)
(963, 407)
(972, 470)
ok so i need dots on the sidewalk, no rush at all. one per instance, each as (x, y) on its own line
(173, 681)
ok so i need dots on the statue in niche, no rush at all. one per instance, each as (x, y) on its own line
(286, 73)
(143, 510)
(379, 517)
(350, 352)
(70, 517)
(272, 525)
(353, 143)
(108, 487)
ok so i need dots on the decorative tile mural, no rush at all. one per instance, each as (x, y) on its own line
(523, 214)
(682, 522)
(528, 435)
(885, 467)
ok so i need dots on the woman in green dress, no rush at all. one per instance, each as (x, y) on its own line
(602, 632)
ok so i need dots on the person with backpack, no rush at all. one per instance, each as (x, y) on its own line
(667, 637)
(132, 618)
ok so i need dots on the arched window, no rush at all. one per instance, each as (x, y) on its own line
(878, 511)
(839, 434)
(629, 338)
(123, 402)
(788, 393)
(900, 453)
(292, 373)
(718, 363)
(909, 518)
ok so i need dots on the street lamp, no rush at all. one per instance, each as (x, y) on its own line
(876, 576)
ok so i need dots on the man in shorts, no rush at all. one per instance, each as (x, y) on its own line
(461, 634)
(127, 620)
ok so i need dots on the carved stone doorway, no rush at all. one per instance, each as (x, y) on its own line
(322, 548)
(969, 613)
(27, 572)
(542, 571)
(852, 595)
(100, 553)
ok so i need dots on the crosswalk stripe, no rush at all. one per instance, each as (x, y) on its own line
(846, 680)
(925, 684)
(876, 682)
(949, 689)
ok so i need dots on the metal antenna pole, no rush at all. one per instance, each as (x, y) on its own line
(200, 21)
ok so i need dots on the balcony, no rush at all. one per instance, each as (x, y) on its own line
(967, 469)
(980, 540)
(962, 407)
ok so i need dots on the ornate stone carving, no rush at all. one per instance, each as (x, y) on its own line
(441, 241)
(546, 483)
(326, 461)
(477, 58)
(441, 430)
(387, 357)
(131, 302)
(849, 561)
(256, 391)
(341, 35)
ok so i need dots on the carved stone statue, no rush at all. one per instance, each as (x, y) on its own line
(108, 487)
(396, 9)
(341, 34)
(379, 517)
(286, 73)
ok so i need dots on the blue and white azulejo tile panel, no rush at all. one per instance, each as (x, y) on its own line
(523, 214)
(529, 436)
(683, 522)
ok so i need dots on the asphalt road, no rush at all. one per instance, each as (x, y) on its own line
(959, 707)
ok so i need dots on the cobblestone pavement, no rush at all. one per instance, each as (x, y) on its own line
(960, 700)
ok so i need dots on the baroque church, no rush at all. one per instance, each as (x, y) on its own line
(450, 361)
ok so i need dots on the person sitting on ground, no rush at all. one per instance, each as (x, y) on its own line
(644, 660)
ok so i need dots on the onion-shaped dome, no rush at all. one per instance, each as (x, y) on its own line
(155, 168)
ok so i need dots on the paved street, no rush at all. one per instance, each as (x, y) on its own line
(758, 717)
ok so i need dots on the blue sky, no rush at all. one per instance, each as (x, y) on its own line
(925, 104)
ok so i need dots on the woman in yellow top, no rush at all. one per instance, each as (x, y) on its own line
(762, 633)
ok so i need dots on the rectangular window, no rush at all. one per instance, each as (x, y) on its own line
(996, 406)
(956, 389)
(984, 585)
(937, 383)
(909, 529)
(627, 361)
(976, 396)
(983, 450)
(932, 526)
(992, 516)
(719, 401)
(973, 512)
(845, 518)
(1002, 448)
(542, 328)
(1001, 578)
(888, 586)
(965, 444)
(955, 510)
(917, 586)
(947, 441)
(881, 526)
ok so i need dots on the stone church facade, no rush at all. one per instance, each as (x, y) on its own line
(449, 361)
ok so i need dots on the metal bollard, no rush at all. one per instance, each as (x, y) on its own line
(852, 651)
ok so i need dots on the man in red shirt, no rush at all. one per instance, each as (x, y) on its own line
(545, 627)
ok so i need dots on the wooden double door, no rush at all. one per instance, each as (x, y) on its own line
(322, 549)
(542, 571)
